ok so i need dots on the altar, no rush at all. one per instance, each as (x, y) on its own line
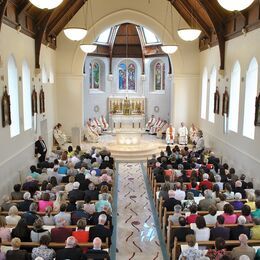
(126, 113)
(128, 137)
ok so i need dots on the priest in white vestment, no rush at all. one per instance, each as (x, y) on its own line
(162, 130)
(183, 134)
(90, 133)
(59, 135)
(193, 132)
(103, 122)
(95, 126)
(170, 135)
(150, 123)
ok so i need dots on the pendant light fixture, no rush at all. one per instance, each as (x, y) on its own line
(46, 4)
(169, 49)
(88, 48)
(235, 5)
(76, 33)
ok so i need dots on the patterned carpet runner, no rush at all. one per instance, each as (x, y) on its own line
(136, 232)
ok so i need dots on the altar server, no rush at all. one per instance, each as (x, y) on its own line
(103, 123)
(183, 134)
(193, 132)
(59, 135)
(170, 134)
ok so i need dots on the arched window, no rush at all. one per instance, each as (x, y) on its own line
(27, 105)
(14, 96)
(159, 76)
(234, 98)
(94, 75)
(250, 94)
(127, 76)
(204, 94)
(44, 75)
(212, 89)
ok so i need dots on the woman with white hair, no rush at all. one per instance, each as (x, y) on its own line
(13, 217)
(175, 217)
(235, 232)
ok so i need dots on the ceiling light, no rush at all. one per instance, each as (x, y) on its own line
(75, 33)
(46, 4)
(235, 5)
(169, 49)
(88, 48)
(189, 34)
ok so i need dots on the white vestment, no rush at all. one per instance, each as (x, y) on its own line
(162, 130)
(200, 144)
(103, 123)
(150, 123)
(95, 125)
(193, 132)
(91, 134)
(170, 134)
(183, 135)
(59, 136)
(154, 128)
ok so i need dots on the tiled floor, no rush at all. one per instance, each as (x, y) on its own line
(137, 238)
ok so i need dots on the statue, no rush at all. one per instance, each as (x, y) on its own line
(126, 107)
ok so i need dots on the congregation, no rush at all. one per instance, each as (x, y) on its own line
(202, 200)
(66, 198)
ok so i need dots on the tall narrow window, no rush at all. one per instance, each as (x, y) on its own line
(212, 89)
(204, 94)
(90, 75)
(96, 75)
(27, 105)
(127, 76)
(234, 98)
(44, 75)
(159, 76)
(250, 95)
(14, 96)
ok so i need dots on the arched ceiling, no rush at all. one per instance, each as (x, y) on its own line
(217, 25)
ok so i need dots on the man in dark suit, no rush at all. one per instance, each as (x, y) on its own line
(70, 251)
(97, 252)
(100, 230)
(181, 232)
(76, 193)
(235, 232)
(40, 148)
(171, 202)
(220, 230)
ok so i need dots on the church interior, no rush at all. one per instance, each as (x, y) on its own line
(130, 129)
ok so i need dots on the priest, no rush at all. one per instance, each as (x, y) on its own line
(59, 135)
(103, 122)
(150, 123)
(91, 133)
(170, 135)
(193, 133)
(183, 134)
(162, 131)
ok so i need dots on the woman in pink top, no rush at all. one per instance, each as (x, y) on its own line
(45, 202)
(229, 216)
(5, 233)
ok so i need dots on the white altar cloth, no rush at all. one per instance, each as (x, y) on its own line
(128, 137)
(127, 121)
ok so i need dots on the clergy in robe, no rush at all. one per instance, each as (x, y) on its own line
(193, 133)
(103, 122)
(95, 126)
(59, 135)
(150, 123)
(170, 134)
(162, 131)
(90, 133)
(183, 134)
(153, 129)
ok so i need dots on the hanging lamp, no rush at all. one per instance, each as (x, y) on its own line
(46, 4)
(235, 5)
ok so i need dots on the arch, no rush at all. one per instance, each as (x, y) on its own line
(118, 17)
(204, 91)
(234, 97)
(212, 89)
(250, 94)
(27, 105)
(14, 96)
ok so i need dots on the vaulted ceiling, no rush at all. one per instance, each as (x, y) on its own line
(217, 25)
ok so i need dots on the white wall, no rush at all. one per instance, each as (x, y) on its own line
(151, 14)
(17, 153)
(242, 153)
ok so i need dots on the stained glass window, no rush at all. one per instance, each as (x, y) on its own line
(159, 77)
(122, 76)
(131, 76)
(96, 75)
(90, 75)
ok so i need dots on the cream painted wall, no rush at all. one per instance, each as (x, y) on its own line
(17, 153)
(108, 13)
(241, 152)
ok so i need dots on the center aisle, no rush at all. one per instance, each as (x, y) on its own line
(136, 223)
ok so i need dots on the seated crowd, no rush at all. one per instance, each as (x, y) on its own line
(190, 183)
(67, 200)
